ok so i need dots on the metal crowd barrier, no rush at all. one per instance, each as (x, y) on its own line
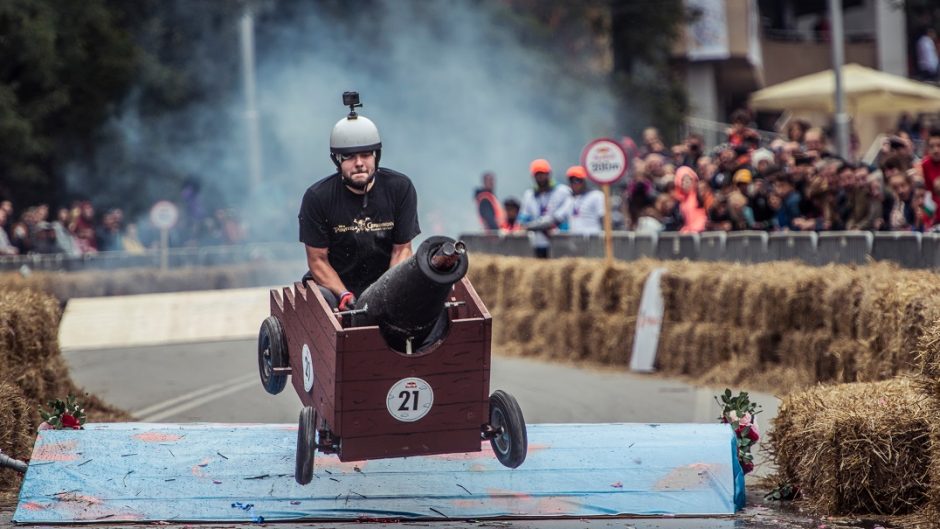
(908, 249)
(746, 247)
(844, 247)
(902, 247)
(712, 246)
(799, 245)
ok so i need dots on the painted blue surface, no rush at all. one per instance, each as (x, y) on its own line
(215, 472)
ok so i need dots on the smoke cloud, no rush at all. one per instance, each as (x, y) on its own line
(451, 87)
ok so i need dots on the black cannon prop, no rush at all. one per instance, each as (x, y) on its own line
(406, 373)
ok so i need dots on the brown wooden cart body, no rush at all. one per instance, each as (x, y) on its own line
(353, 370)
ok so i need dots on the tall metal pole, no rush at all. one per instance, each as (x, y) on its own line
(838, 57)
(251, 107)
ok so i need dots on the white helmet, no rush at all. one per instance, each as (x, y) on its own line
(354, 133)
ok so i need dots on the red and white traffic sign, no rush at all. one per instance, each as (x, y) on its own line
(604, 160)
(164, 214)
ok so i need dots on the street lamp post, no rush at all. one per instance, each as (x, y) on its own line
(251, 106)
(838, 58)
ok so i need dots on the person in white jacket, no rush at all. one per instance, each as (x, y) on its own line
(545, 207)
(587, 205)
(928, 62)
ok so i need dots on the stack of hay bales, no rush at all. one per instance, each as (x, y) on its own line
(928, 349)
(773, 326)
(861, 448)
(565, 308)
(33, 372)
(29, 349)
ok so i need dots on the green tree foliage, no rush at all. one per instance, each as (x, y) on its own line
(643, 33)
(63, 66)
(628, 41)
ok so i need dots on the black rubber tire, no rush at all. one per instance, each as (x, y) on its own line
(272, 352)
(511, 441)
(306, 445)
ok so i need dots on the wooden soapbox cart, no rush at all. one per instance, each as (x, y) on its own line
(364, 400)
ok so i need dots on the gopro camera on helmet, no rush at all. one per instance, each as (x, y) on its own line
(351, 100)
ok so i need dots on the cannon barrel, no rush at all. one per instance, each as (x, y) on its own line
(6, 461)
(407, 302)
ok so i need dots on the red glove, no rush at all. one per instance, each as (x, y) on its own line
(347, 301)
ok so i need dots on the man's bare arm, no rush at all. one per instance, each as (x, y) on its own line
(322, 272)
(400, 252)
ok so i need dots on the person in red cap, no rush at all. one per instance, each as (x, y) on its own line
(545, 207)
(587, 205)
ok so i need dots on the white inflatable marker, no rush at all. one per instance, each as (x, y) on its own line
(649, 321)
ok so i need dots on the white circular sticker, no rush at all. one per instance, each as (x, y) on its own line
(604, 160)
(307, 360)
(164, 214)
(410, 399)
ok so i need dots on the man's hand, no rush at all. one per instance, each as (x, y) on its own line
(347, 301)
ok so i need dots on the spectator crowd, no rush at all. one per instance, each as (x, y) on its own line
(750, 182)
(79, 230)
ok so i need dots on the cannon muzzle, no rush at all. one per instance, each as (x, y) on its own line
(446, 256)
(407, 302)
(15, 464)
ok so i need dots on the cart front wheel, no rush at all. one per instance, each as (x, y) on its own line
(272, 353)
(306, 445)
(510, 442)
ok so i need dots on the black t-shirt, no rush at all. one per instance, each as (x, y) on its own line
(359, 230)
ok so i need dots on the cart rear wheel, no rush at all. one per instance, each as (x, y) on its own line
(272, 352)
(510, 442)
(306, 445)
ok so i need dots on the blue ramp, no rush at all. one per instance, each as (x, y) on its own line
(136, 472)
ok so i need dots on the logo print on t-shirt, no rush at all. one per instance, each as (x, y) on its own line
(366, 225)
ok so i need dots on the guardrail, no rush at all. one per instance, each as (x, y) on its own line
(176, 258)
(908, 249)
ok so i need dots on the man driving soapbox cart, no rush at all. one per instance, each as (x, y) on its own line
(406, 374)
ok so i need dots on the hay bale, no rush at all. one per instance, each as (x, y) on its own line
(674, 346)
(29, 324)
(838, 362)
(841, 298)
(730, 297)
(802, 350)
(928, 353)
(561, 285)
(861, 448)
(16, 432)
(610, 338)
(483, 273)
(807, 312)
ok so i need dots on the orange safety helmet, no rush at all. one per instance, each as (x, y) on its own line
(576, 171)
(540, 166)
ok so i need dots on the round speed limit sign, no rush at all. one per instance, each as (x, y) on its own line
(410, 399)
(604, 160)
(164, 215)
